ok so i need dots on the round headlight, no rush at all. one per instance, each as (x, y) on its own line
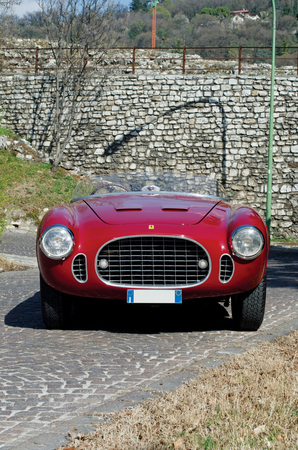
(247, 242)
(57, 242)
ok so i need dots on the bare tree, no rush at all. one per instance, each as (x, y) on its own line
(80, 33)
(7, 5)
(6, 18)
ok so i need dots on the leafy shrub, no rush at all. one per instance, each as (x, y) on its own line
(137, 28)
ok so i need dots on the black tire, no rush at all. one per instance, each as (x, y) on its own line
(55, 306)
(248, 308)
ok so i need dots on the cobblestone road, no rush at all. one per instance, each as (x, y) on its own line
(51, 380)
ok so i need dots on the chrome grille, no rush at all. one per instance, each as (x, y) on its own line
(226, 268)
(79, 268)
(152, 261)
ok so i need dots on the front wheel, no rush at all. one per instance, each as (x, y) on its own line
(248, 308)
(55, 306)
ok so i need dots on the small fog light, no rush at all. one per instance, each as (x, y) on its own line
(103, 263)
(203, 264)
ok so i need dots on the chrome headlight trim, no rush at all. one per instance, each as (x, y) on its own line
(44, 247)
(257, 232)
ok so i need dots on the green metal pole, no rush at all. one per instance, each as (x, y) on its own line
(270, 150)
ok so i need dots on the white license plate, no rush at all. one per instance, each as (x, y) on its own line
(153, 296)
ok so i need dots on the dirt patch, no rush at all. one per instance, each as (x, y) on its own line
(23, 189)
(249, 402)
(8, 266)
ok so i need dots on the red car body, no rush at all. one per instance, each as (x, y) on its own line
(207, 221)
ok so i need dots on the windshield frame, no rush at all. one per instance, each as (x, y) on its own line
(149, 184)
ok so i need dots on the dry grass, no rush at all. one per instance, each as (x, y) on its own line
(249, 403)
(8, 266)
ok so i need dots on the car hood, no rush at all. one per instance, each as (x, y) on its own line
(157, 208)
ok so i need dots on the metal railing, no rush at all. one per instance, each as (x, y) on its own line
(184, 60)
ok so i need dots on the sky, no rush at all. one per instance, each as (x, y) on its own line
(31, 5)
(26, 6)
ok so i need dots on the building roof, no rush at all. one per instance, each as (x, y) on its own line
(244, 11)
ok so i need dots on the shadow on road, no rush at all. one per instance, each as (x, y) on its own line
(121, 317)
(26, 314)
(88, 314)
(115, 316)
(283, 267)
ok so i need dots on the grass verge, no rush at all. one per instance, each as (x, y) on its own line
(250, 402)
(280, 240)
(31, 187)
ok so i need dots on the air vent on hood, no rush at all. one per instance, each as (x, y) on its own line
(128, 208)
(174, 209)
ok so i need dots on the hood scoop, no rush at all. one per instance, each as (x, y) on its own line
(159, 209)
(181, 209)
(128, 208)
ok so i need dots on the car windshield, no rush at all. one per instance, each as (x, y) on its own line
(148, 183)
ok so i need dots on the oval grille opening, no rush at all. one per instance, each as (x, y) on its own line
(79, 268)
(152, 261)
(226, 268)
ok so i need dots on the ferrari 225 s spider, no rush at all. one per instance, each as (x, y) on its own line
(152, 238)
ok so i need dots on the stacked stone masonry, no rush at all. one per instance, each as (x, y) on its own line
(210, 124)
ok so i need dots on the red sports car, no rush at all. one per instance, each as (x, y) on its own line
(152, 238)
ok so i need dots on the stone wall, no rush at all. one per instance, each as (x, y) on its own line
(210, 124)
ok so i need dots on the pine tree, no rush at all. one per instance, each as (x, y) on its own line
(285, 46)
(277, 5)
(139, 5)
(295, 8)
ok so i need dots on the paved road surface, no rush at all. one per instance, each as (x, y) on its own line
(51, 380)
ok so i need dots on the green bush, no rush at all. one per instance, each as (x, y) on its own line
(137, 28)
